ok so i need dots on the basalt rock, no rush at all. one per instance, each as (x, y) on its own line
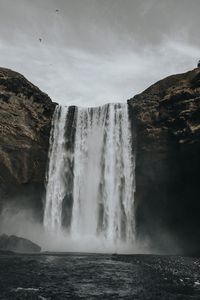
(166, 118)
(25, 123)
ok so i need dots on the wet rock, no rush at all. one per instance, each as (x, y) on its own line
(17, 244)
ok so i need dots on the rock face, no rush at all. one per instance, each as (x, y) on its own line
(166, 123)
(166, 118)
(17, 244)
(25, 122)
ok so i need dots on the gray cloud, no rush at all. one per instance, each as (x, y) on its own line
(98, 51)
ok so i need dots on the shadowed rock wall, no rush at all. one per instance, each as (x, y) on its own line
(167, 121)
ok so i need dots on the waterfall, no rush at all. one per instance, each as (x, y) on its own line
(91, 174)
(55, 190)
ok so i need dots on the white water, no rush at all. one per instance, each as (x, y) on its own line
(55, 190)
(102, 209)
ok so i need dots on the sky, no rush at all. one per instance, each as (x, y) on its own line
(91, 52)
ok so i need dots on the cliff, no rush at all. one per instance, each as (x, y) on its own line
(25, 122)
(166, 119)
(166, 123)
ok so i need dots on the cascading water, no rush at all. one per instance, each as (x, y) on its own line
(91, 175)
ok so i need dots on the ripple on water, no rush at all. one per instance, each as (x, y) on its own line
(99, 277)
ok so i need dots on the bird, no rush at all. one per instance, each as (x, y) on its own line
(40, 40)
(57, 10)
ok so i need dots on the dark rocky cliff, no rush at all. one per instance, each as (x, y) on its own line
(166, 118)
(25, 122)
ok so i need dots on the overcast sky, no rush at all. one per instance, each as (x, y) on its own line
(98, 51)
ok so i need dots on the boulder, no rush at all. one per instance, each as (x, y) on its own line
(17, 244)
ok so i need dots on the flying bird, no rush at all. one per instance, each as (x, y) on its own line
(57, 10)
(40, 40)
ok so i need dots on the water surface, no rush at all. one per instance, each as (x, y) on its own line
(79, 276)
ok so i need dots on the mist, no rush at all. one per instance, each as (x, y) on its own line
(22, 223)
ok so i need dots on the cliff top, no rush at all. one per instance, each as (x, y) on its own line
(171, 85)
(172, 104)
(13, 83)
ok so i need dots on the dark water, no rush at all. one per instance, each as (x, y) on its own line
(99, 277)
